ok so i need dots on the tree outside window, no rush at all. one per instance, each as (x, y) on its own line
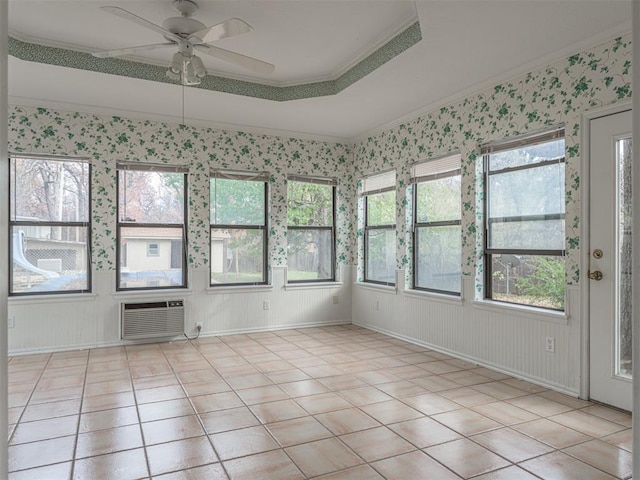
(525, 220)
(310, 229)
(436, 232)
(379, 192)
(238, 204)
(49, 225)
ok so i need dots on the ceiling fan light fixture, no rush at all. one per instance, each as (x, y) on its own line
(198, 67)
(185, 33)
(177, 63)
(173, 76)
(188, 75)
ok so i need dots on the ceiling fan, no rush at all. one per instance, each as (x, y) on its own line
(189, 35)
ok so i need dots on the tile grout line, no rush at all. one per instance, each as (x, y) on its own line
(135, 401)
(319, 341)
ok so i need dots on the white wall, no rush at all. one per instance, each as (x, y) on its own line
(511, 339)
(508, 339)
(61, 322)
(636, 244)
(4, 268)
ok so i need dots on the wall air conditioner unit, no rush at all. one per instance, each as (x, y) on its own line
(144, 320)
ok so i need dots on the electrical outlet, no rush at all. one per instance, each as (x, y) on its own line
(550, 344)
(336, 299)
(376, 305)
(199, 326)
(11, 322)
(265, 304)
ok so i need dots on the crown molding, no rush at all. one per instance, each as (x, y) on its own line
(85, 61)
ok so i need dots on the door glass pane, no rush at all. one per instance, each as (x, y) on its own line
(624, 320)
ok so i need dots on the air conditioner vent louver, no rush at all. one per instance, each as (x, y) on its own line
(145, 320)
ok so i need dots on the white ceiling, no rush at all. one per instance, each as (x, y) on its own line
(465, 45)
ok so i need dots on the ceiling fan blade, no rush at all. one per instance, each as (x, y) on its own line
(229, 28)
(127, 51)
(132, 17)
(250, 63)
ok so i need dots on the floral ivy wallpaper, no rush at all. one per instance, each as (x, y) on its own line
(107, 140)
(556, 94)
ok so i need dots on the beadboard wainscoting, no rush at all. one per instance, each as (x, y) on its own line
(505, 338)
(54, 323)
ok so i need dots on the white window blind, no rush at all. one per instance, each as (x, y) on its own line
(314, 180)
(152, 167)
(382, 182)
(523, 140)
(238, 175)
(432, 169)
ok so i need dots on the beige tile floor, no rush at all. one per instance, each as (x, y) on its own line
(339, 402)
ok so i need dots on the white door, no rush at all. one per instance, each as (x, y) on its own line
(610, 260)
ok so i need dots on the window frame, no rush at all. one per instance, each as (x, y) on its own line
(415, 180)
(555, 133)
(383, 227)
(153, 249)
(318, 181)
(18, 223)
(127, 224)
(243, 176)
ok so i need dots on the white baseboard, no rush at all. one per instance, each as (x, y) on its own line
(482, 363)
(123, 343)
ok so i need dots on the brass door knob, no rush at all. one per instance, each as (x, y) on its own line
(597, 275)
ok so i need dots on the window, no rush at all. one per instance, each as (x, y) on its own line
(49, 225)
(153, 250)
(310, 229)
(379, 192)
(238, 228)
(151, 227)
(436, 225)
(525, 220)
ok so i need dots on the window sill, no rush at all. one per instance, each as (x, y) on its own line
(52, 298)
(436, 297)
(525, 311)
(172, 292)
(312, 285)
(379, 288)
(238, 289)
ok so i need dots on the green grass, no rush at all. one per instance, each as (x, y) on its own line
(255, 277)
(302, 275)
(232, 277)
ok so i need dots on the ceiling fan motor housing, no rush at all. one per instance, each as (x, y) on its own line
(183, 26)
(186, 8)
